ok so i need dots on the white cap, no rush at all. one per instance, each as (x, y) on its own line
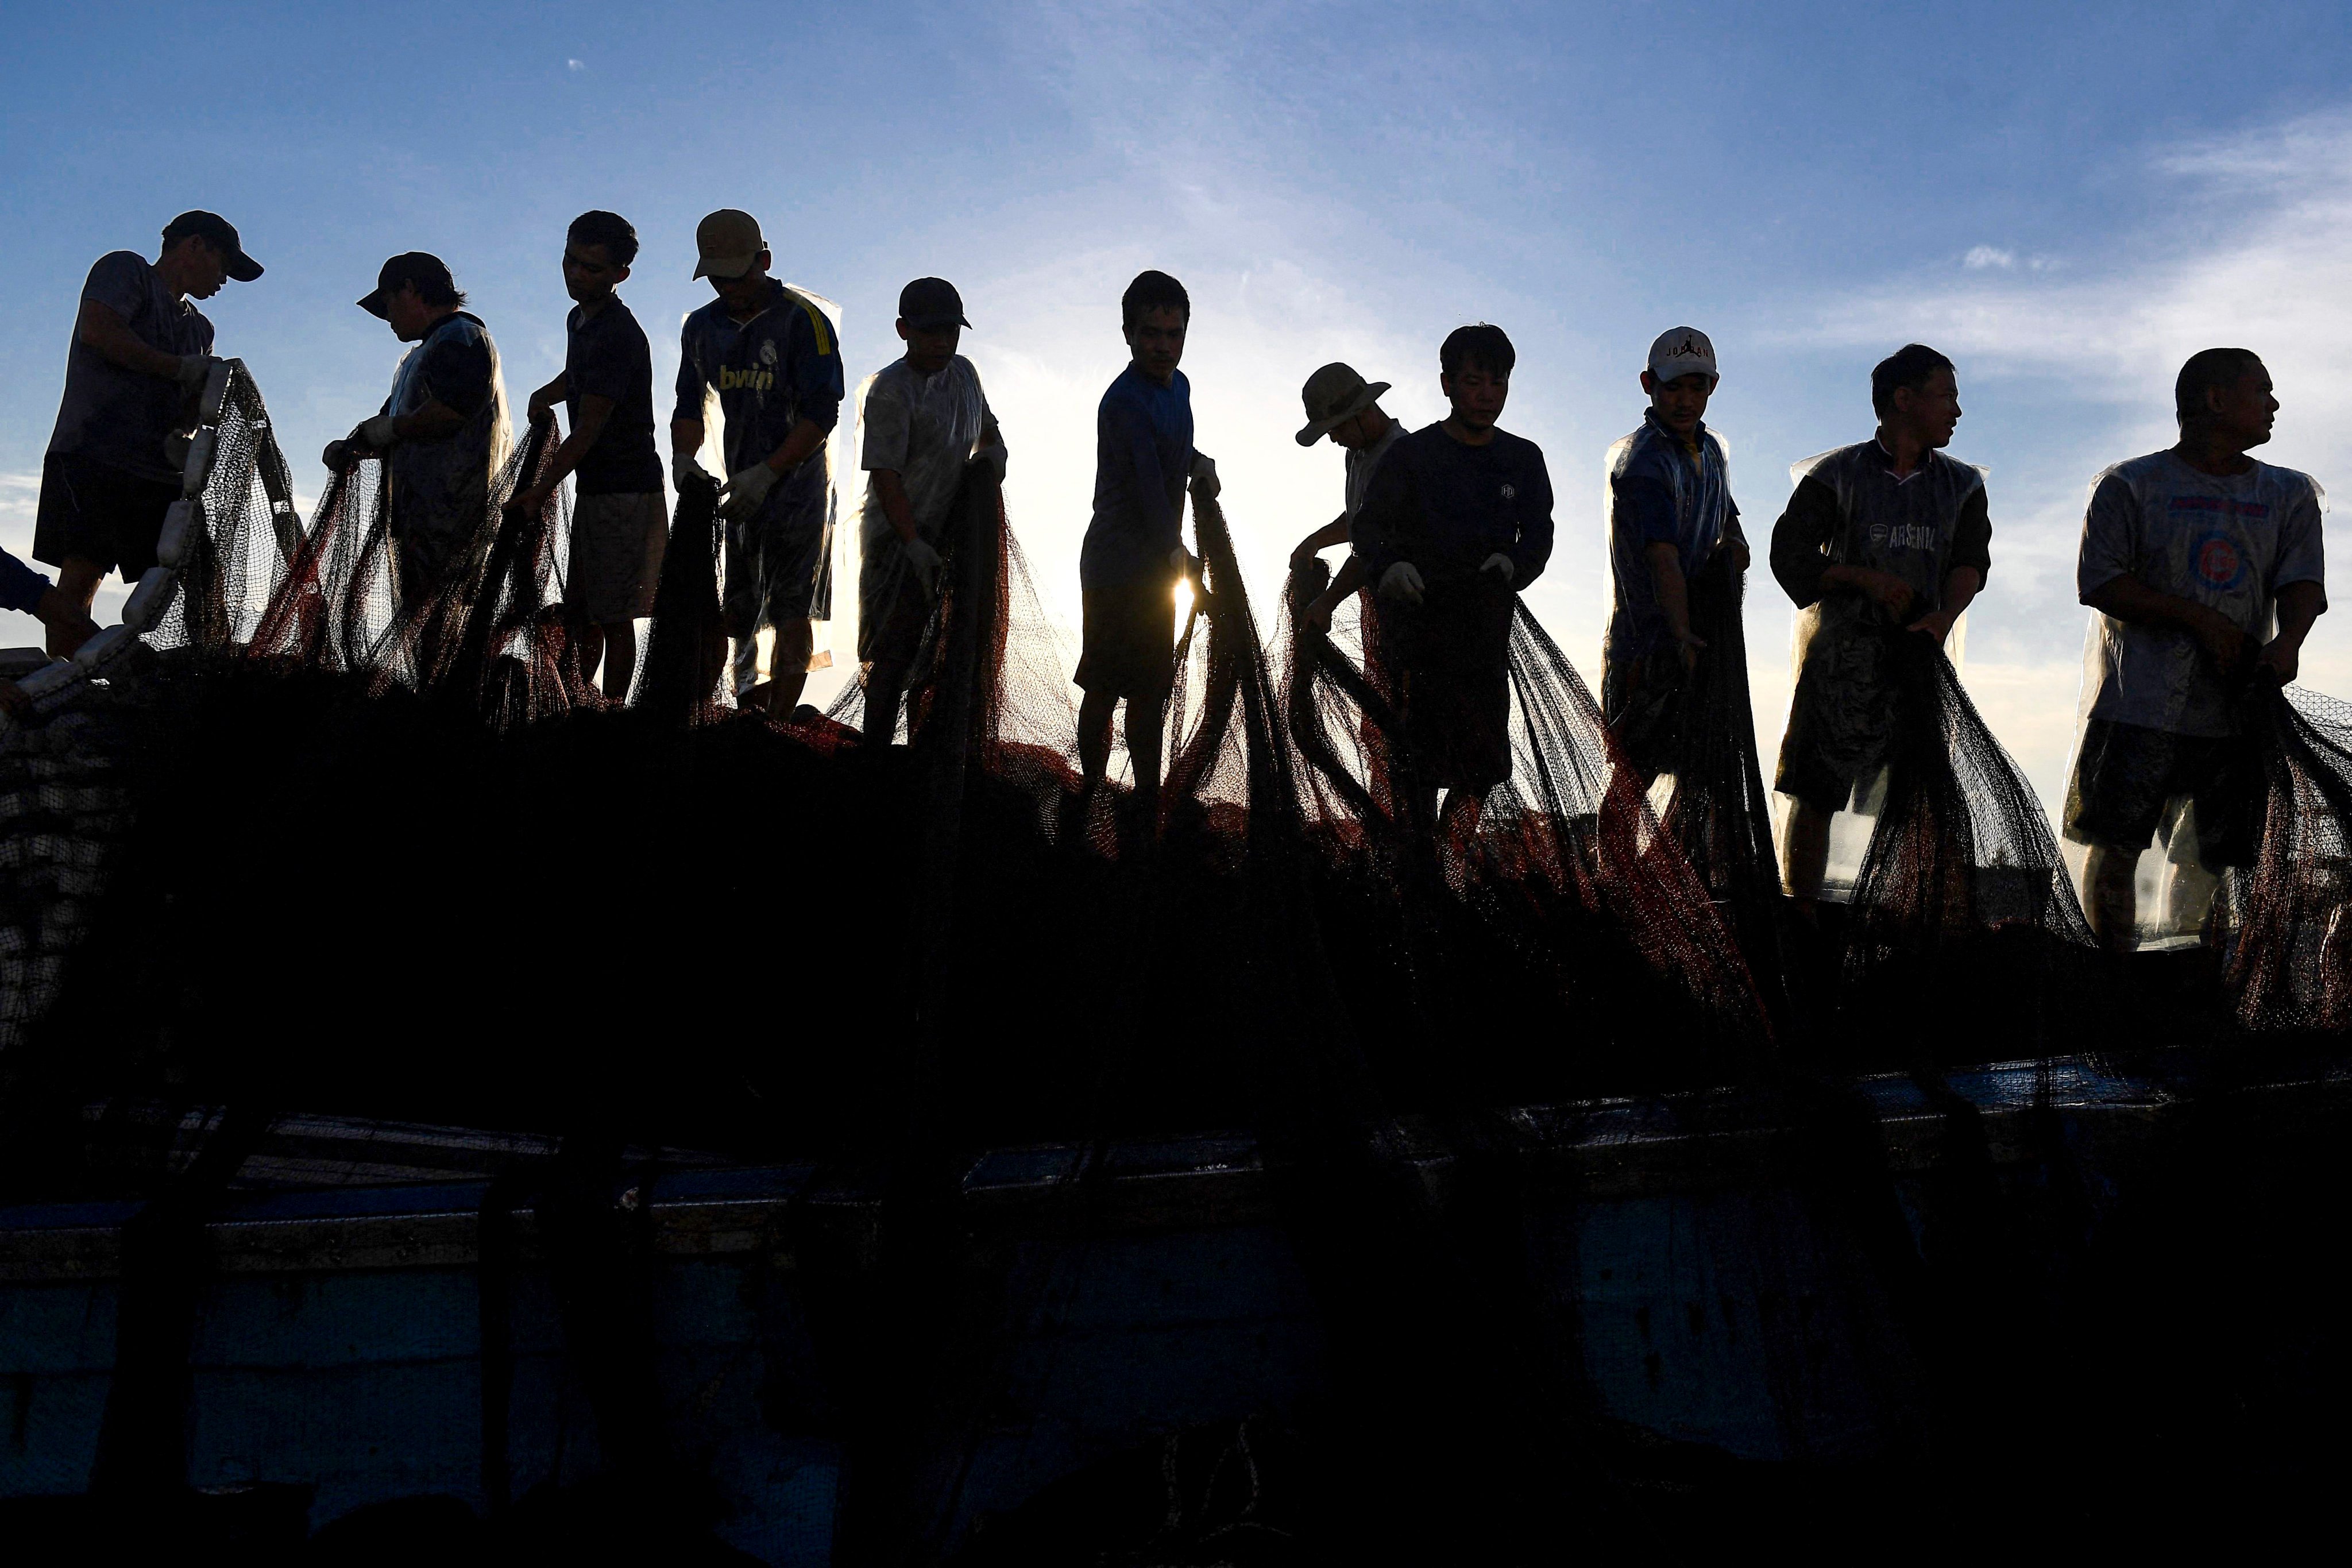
(1681, 352)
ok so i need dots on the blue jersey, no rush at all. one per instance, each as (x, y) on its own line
(771, 372)
(1143, 453)
(1661, 492)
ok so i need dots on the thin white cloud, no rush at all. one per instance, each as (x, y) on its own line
(575, 65)
(1983, 256)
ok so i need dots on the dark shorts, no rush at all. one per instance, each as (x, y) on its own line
(1130, 639)
(1450, 660)
(1841, 719)
(2126, 775)
(100, 513)
(615, 564)
(775, 564)
(892, 612)
(1641, 698)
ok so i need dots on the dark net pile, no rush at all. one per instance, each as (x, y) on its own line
(392, 854)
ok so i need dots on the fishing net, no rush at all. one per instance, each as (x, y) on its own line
(1962, 890)
(1562, 903)
(315, 841)
(2287, 918)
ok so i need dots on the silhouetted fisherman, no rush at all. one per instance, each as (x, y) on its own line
(137, 365)
(1342, 405)
(1457, 522)
(2206, 568)
(925, 420)
(1670, 513)
(1885, 534)
(443, 432)
(769, 355)
(619, 520)
(1134, 554)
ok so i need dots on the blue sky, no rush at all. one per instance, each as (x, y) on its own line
(2066, 199)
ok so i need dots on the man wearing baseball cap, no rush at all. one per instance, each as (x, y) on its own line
(140, 354)
(925, 425)
(443, 432)
(1344, 407)
(769, 356)
(1670, 511)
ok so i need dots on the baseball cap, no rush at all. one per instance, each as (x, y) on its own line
(1334, 393)
(928, 302)
(410, 267)
(1681, 352)
(219, 233)
(729, 241)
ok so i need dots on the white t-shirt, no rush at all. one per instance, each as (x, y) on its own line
(921, 427)
(2227, 541)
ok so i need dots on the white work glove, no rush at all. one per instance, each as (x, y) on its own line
(1403, 581)
(991, 460)
(1501, 564)
(377, 435)
(194, 369)
(925, 560)
(686, 471)
(745, 489)
(1204, 476)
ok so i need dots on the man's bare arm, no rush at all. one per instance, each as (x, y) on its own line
(2129, 600)
(2299, 605)
(1332, 533)
(596, 410)
(686, 436)
(105, 334)
(1961, 585)
(895, 505)
(1674, 597)
(803, 439)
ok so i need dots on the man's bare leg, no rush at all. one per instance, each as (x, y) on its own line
(788, 665)
(587, 647)
(885, 687)
(620, 659)
(2111, 896)
(1805, 857)
(77, 579)
(1146, 717)
(1095, 714)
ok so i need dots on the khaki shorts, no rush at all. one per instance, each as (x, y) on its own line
(617, 554)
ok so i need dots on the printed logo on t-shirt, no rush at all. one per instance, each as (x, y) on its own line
(1904, 535)
(1510, 492)
(745, 380)
(2218, 560)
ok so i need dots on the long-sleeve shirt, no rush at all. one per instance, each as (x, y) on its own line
(21, 587)
(1143, 453)
(1445, 507)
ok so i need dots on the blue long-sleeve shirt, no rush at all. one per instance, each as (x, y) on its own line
(1143, 453)
(21, 587)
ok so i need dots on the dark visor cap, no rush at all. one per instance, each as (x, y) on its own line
(930, 303)
(221, 234)
(415, 266)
